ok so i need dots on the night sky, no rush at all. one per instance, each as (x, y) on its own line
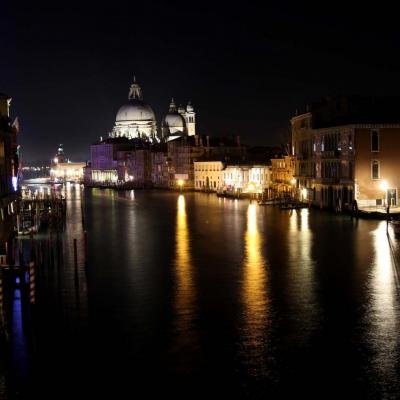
(246, 68)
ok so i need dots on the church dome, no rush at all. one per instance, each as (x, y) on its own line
(174, 121)
(135, 110)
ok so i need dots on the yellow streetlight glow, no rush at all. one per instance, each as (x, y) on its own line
(384, 185)
(293, 181)
(251, 187)
(180, 182)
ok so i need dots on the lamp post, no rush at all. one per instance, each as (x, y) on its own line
(180, 184)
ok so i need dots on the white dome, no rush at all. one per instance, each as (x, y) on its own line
(135, 110)
(174, 120)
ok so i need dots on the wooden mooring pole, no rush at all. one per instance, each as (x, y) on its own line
(75, 255)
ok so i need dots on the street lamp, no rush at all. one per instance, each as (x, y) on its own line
(180, 184)
(384, 188)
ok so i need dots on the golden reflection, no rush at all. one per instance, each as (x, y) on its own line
(301, 293)
(383, 313)
(254, 288)
(300, 237)
(185, 290)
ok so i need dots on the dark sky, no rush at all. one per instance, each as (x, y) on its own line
(245, 67)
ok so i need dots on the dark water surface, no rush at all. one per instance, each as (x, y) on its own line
(195, 296)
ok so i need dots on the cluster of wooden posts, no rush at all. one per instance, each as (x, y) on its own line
(28, 262)
(36, 211)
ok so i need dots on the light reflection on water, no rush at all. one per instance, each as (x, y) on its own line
(384, 311)
(301, 271)
(254, 296)
(220, 286)
(185, 290)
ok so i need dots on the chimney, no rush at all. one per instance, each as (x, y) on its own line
(196, 140)
(208, 141)
(238, 141)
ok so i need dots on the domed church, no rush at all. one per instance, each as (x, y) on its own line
(136, 119)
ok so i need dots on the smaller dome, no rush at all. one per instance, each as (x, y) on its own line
(174, 120)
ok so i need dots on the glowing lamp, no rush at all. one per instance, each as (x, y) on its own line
(384, 185)
(293, 181)
(180, 182)
(55, 160)
(251, 187)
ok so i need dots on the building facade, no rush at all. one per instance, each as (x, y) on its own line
(208, 175)
(160, 169)
(63, 170)
(247, 178)
(184, 151)
(282, 175)
(67, 172)
(135, 166)
(9, 164)
(104, 162)
(345, 153)
(376, 164)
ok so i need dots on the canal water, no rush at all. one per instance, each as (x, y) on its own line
(195, 296)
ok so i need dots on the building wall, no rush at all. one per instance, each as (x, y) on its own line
(106, 176)
(282, 174)
(102, 156)
(370, 191)
(135, 166)
(236, 177)
(8, 173)
(324, 166)
(68, 171)
(260, 177)
(160, 169)
(208, 175)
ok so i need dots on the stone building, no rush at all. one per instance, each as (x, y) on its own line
(247, 177)
(184, 151)
(8, 172)
(346, 150)
(64, 170)
(208, 174)
(160, 167)
(135, 166)
(282, 175)
(104, 162)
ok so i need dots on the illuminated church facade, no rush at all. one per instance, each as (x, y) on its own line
(136, 119)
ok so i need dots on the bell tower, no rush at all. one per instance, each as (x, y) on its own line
(190, 117)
